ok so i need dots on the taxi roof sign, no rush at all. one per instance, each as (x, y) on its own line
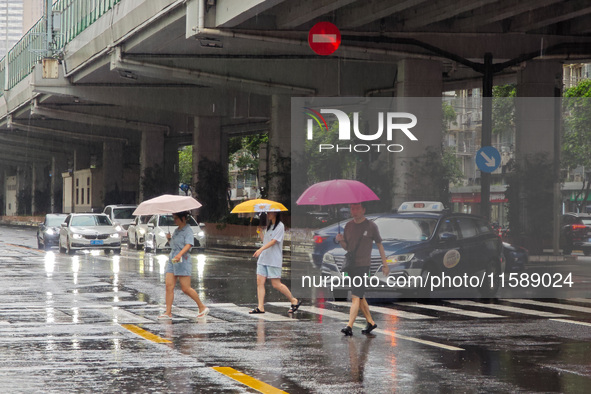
(424, 206)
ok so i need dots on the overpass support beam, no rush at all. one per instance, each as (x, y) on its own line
(279, 152)
(418, 78)
(151, 154)
(207, 143)
(112, 172)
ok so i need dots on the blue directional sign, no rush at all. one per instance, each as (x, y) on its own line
(488, 159)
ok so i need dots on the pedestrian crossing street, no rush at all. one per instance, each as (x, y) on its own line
(100, 307)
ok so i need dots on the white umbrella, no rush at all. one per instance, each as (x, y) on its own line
(165, 204)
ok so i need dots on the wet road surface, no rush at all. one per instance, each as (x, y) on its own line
(88, 322)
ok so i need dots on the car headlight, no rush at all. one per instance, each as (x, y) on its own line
(400, 258)
(142, 231)
(119, 228)
(114, 235)
(76, 236)
(200, 234)
(328, 258)
(49, 231)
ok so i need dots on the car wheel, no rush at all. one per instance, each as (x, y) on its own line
(116, 251)
(69, 248)
(492, 281)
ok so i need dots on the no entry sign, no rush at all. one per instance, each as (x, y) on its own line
(324, 38)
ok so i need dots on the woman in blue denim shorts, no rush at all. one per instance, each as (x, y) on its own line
(270, 260)
(179, 266)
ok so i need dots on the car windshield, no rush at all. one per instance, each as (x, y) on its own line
(406, 229)
(167, 220)
(54, 221)
(145, 219)
(123, 213)
(90, 220)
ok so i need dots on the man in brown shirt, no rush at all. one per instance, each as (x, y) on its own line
(359, 236)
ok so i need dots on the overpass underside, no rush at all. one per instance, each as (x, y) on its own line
(129, 81)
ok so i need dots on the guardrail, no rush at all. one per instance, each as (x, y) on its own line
(74, 16)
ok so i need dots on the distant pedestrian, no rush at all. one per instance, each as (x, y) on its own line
(179, 266)
(270, 261)
(359, 236)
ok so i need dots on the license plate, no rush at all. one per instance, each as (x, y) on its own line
(96, 242)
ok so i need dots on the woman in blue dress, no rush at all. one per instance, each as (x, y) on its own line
(179, 266)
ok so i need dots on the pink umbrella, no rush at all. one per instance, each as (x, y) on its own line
(166, 203)
(336, 191)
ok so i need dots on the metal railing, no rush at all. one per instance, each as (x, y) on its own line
(74, 15)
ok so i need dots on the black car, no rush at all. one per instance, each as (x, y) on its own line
(48, 232)
(429, 241)
(575, 233)
(515, 257)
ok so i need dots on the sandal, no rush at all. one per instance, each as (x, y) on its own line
(295, 307)
(204, 313)
(164, 317)
(256, 310)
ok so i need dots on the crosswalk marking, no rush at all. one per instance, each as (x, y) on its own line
(389, 311)
(447, 309)
(263, 316)
(121, 316)
(580, 300)
(505, 308)
(192, 314)
(345, 317)
(572, 322)
(550, 305)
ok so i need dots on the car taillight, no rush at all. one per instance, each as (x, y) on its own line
(319, 239)
(578, 226)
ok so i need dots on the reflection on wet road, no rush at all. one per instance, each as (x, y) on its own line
(88, 322)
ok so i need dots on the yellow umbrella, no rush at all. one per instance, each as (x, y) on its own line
(258, 205)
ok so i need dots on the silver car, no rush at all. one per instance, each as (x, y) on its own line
(89, 231)
(160, 225)
(136, 232)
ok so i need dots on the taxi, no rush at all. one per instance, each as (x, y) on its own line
(423, 239)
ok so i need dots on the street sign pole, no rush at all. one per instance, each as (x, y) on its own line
(486, 134)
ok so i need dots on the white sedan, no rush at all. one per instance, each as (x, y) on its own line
(88, 231)
(160, 225)
(137, 230)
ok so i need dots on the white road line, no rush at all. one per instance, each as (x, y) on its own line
(580, 300)
(263, 316)
(192, 314)
(345, 317)
(388, 311)
(550, 305)
(505, 308)
(121, 316)
(447, 309)
(572, 322)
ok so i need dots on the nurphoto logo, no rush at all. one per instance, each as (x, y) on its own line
(391, 120)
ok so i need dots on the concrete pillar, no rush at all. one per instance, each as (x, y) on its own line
(24, 189)
(112, 171)
(59, 164)
(420, 84)
(207, 142)
(151, 153)
(40, 188)
(279, 152)
(535, 116)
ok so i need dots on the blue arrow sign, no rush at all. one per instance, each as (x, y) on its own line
(488, 159)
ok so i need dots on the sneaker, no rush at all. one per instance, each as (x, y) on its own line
(369, 328)
(348, 331)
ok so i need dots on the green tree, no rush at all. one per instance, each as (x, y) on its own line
(576, 141)
(503, 111)
(186, 165)
(449, 117)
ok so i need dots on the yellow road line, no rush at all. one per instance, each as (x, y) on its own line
(247, 380)
(145, 334)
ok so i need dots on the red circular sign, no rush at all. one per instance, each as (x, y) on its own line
(324, 38)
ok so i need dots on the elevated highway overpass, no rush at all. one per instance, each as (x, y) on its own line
(119, 85)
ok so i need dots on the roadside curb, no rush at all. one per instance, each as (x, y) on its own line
(553, 259)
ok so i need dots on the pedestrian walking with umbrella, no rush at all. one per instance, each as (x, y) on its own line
(179, 266)
(270, 255)
(357, 239)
